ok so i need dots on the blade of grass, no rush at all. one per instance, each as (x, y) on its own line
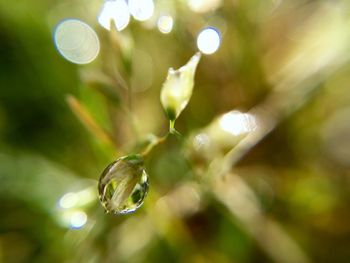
(88, 121)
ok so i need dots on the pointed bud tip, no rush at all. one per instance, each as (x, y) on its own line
(193, 62)
(177, 89)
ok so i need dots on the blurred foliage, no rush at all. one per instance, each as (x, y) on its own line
(275, 189)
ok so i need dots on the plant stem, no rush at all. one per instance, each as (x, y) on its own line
(171, 126)
(154, 143)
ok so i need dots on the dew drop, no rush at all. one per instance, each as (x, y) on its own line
(123, 185)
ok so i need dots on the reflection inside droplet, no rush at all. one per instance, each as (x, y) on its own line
(123, 185)
(76, 41)
(237, 123)
(165, 24)
(208, 40)
(141, 10)
(116, 11)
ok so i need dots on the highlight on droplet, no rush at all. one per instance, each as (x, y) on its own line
(141, 10)
(116, 11)
(208, 40)
(165, 24)
(76, 41)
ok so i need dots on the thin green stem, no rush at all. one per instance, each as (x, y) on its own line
(173, 131)
(154, 143)
(171, 126)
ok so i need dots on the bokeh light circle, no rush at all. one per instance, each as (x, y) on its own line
(208, 40)
(76, 41)
(165, 24)
(116, 11)
(141, 10)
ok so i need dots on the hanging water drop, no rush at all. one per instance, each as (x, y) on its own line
(123, 185)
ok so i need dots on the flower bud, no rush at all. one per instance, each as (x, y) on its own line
(177, 88)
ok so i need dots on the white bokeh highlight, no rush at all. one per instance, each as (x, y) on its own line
(141, 10)
(69, 200)
(116, 11)
(208, 40)
(78, 219)
(76, 41)
(203, 6)
(237, 123)
(165, 24)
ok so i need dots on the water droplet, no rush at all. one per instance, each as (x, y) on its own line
(123, 185)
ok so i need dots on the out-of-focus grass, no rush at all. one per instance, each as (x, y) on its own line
(277, 192)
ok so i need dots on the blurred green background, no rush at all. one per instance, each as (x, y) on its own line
(285, 196)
